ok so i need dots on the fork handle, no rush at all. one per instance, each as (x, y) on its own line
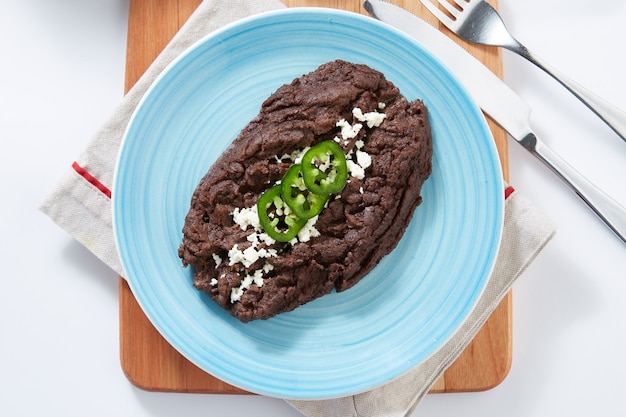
(610, 114)
(609, 210)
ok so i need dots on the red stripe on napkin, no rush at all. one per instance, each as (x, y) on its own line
(91, 179)
(508, 191)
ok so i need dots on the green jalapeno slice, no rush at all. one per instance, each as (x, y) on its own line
(276, 218)
(324, 168)
(304, 203)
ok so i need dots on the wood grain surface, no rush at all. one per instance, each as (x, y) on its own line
(152, 364)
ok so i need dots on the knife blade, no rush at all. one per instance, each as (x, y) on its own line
(502, 104)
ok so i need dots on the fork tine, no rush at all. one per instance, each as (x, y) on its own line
(443, 18)
(450, 7)
(464, 3)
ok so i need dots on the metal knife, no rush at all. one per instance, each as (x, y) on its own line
(504, 106)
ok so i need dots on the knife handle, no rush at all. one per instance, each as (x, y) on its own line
(609, 210)
(614, 117)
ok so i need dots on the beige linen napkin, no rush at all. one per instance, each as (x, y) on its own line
(81, 204)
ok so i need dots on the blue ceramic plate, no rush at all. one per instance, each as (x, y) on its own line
(340, 344)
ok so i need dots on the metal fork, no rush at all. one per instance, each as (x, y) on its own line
(478, 22)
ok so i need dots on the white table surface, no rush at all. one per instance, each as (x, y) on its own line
(62, 73)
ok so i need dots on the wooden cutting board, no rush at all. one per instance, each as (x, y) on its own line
(151, 363)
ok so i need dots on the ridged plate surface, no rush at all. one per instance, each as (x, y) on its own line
(340, 344)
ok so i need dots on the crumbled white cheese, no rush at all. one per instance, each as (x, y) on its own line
(381, 106)
(213, 282)
(268, 267)
(245, 217)
(251, 255)
(363, 159)
(361, 190)
(235, 255)
(372, 119)
(253, 238)
(357, 113)
(308, 231)
(246, 282)
(255, 278)
(264, 237)
(375, 119)
(256, 238)
(355, 170)
(349, 131)
(235, 294)
(217, 259)
(295, 156)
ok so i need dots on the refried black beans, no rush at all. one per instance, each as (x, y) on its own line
(256, 278)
